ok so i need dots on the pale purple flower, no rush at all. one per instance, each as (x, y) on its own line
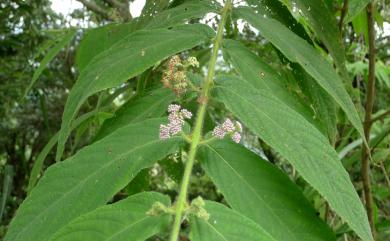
(228, 125)
(173, 108)
(233, 129)
(236, 137)
(164, 132)
(176, 121)
(219, 132)
(186, 114)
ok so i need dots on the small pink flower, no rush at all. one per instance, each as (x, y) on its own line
(236, 137)
(228, 125)
(164, 132)
(173, 108)
(233, 129)
(176, 121)
(219, 132)
(186, 114)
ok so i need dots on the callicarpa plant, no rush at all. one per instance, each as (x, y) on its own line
(188, 115)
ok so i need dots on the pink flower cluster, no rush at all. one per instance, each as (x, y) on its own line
(176, 118)
(233, 129)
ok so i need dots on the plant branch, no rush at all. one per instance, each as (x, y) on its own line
(344, 11)
(123, 9)
(380, 117)
(365, 169)
(92, 6)
(197, 131)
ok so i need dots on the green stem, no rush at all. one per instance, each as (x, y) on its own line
(197, 131)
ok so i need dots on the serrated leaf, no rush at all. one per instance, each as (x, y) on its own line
(62, 42)
(279, 11)
(252, 68)
(226, 224)
(260, 191)
(298, 50)
(88, 179)
(324, 24)
(104, 37)
(152, 105)
(300, 143)
(127, 58)
(183, 12)
(121, 221)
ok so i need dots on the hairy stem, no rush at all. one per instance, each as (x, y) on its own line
(197, 131)
(365, 171)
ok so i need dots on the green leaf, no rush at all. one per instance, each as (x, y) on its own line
(150, 10)
(324, 24)
(252, 68)
(88, 179)
(280, 12)
(62, 42)
(326, 109)
(226, 224)
(300, 143)
(101, 39)
(355, 7)
(184, 12)
(298, 50)
(360, 25)
(121, 221)
(152, 105)
(129, 57)
(260, 191)
(38, 163)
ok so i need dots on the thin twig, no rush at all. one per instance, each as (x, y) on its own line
(384, 172)
(365, 171)
(123, 9)
(380, 117)
(91, 5)
(344, 11)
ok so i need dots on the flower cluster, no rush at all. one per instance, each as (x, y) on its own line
(176, 118)
(228, 127)
(175, 77)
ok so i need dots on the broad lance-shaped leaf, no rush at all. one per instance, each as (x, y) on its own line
(300, 143)
(225, 224)
(324, 24)
(354, 8)
(252, 68)
(122, 221)
(65, 39)
(88, 179)
(186, 11)
(261, 192)
(152, 105)
(101, 39)
(104, 37)
(298, 50)
(127, 58)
